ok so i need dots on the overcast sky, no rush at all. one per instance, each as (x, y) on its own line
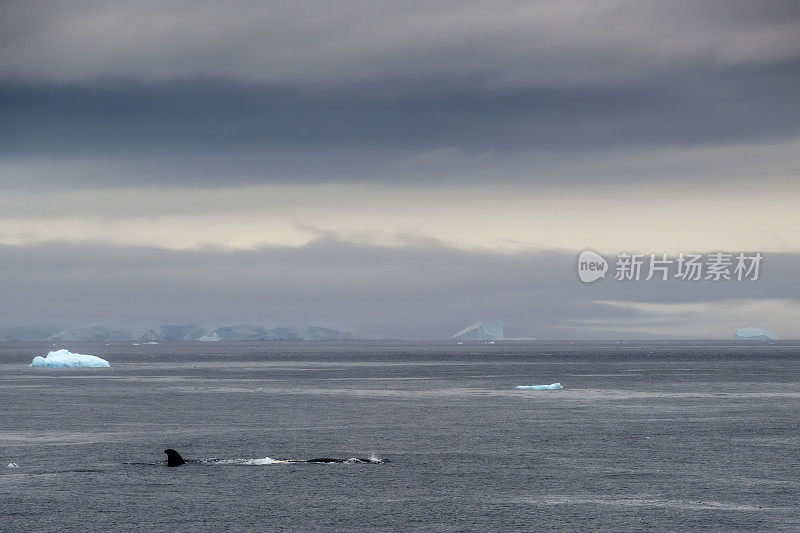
(397, 168)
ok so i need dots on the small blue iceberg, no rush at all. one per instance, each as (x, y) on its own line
(552, 386)
(67, 359)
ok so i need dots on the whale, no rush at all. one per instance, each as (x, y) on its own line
(174, 458)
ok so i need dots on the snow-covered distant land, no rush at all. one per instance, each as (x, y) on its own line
(177, 332)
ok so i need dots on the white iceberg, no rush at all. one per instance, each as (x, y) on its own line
(488, 330)
(12, 465)
(552, 386)
(67, 359)
(755, 334)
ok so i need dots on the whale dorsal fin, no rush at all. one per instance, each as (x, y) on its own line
(174, 458)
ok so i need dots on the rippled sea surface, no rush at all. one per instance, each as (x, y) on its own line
(666, 436)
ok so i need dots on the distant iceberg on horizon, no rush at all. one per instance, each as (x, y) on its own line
(485, 330)
(755, 334)
(67, 359)
(209, 338)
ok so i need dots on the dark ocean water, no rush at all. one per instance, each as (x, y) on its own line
(677, 436)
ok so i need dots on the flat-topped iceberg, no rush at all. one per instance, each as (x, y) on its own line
(67, 359)
(552, 386)
(755, 334)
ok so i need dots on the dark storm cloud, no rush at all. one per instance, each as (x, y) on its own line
(422, 290)
(208, 114)
(247, 133)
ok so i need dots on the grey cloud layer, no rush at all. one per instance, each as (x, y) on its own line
(420, 291)
(505, 42)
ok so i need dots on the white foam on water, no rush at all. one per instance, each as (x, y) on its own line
(373, 458)
(245, 462)
(642, 501)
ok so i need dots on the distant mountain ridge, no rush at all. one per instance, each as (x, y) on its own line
(245, 332)
(182, 332)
